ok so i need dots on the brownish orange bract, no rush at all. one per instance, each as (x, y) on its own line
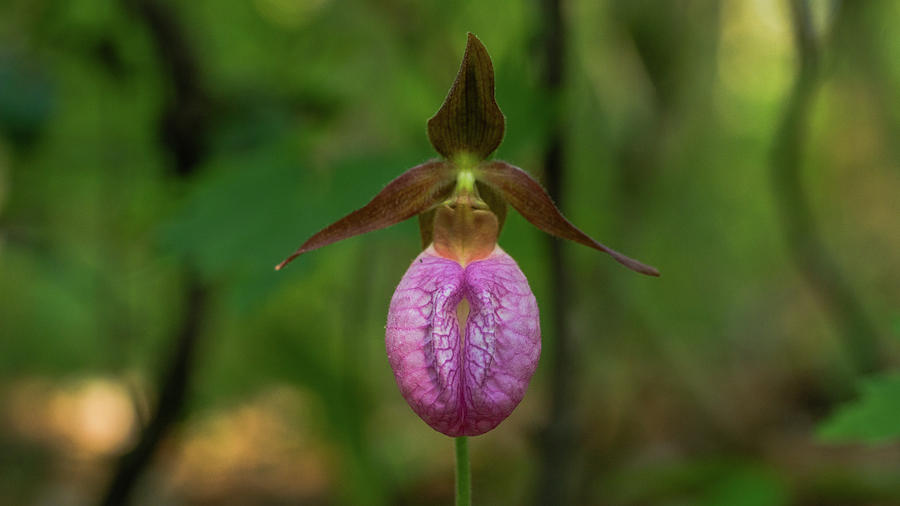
(465, 231)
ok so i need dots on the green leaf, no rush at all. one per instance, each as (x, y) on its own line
(469, 121)
(746, 485)
(528, 197)
(873, 418)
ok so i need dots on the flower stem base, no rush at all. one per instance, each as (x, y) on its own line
(463, 473)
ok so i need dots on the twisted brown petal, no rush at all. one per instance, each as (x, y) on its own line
(469, 121)
(415, 191)
(528, 197)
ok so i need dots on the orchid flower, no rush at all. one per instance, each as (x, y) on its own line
(463, 331)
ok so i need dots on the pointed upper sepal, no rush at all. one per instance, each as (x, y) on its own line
(469, 121)
(417, 190)
(527, 196)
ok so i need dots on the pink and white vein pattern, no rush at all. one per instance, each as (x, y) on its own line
(463, 387)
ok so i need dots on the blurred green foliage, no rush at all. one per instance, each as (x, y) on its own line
(874, 417)
(702, 387)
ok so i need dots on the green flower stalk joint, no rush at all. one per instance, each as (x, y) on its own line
(463, 333)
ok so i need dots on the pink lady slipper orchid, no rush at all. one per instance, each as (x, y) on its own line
(463, 332)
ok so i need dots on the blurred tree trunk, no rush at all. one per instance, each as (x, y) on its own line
(172, 392)
(802, 234)
(556, 438)
(183, 131)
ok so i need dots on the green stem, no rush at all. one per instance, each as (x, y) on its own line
(463, 473)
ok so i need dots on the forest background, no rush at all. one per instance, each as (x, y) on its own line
(158, 158)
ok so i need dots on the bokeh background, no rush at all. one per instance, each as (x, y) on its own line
(157, 158)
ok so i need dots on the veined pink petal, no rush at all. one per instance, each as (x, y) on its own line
(463, 385)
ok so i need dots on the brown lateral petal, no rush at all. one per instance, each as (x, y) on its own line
(469, 121)
(494, 201)
(426, 227)
(416, 190)
(528, 197)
